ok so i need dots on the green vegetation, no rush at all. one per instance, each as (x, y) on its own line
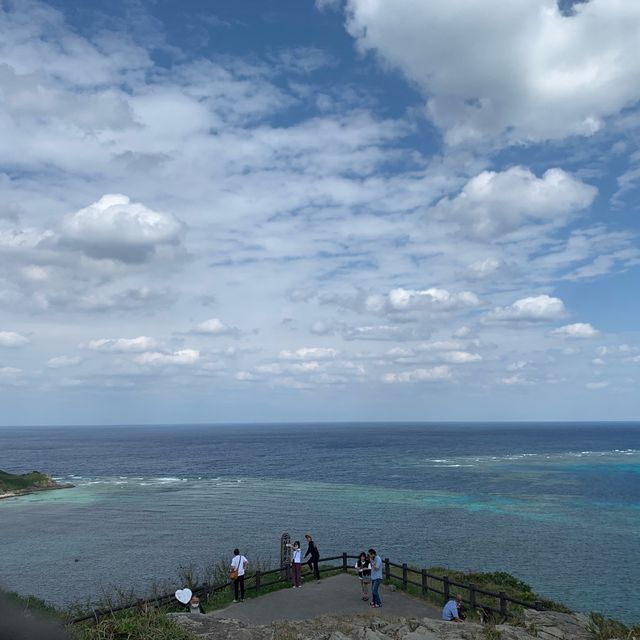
(606, 628)
(148, 622)
(134, 625)
(494, 582)
(30, 604)
(35, 479)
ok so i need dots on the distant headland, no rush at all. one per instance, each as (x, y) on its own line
(12, 485)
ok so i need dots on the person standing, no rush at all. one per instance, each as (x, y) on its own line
(376, 577)
(296, 563)
(363, 567)
(314, 556)
(238, 564)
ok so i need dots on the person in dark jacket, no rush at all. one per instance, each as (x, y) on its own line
(314, 556)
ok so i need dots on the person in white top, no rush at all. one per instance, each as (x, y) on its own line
(296, 564)
(238, 563)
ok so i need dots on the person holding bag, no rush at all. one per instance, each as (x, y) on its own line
(236, 575)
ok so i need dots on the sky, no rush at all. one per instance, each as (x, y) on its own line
(260, 211)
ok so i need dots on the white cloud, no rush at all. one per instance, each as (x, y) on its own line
(382, 332)
(433, 299)
(309, 353)
(181, 357)
(123, 345)
(596, 385)
(10, 373)
(215, 327)
(531, 309)
(114, 227)
(576, 330)
(514, 380)
(496, 202)
(12, 339)
(460, 357)
(60, 362)
(440, 345)
(484, 268)
(244, 376)
(527, 72)
(418, 375)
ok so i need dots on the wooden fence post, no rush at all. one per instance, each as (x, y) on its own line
(425, 584)
(446, 587)
(205, 592)
(387, 569)
(472, 595)
(344, 561)
(404, 575)
(257, 580)
(503, 604)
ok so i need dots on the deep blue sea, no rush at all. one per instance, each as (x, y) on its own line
(558, 505)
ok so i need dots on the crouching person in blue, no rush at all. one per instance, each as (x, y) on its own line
(451, 610)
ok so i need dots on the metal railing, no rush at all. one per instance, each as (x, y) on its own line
(257, 582)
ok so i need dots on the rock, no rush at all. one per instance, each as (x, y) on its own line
(420, 634)
(370, 634)
(507, 632)
(552, 625)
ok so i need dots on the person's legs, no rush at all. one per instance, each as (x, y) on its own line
(365, 589)
(375, 594)
(241, 581)
(297, 570)
(316, 568)
(236, 586)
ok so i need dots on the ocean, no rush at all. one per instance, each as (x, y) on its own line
(558, 505)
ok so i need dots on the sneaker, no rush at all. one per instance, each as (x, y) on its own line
(235, 601)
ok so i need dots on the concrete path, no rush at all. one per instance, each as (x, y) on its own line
(336, 595)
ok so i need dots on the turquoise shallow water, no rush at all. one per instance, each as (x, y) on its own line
(556, 505)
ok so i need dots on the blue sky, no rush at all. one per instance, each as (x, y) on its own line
(331, 210)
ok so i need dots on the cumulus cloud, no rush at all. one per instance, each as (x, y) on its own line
(215, 327)
(496, 202)
(532, 309)
(418, 375)
(309, 353)
(529, 72)
(10, 374)
(123, 345)
(12, 339)
(400, 299)
(515, 380)
(460, 357)
(576, 330)
(596, 385)
(114, 227)
(383, 332)
(60, 362)
(181, 357)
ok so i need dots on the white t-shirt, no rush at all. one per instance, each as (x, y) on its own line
(297, 559)
(238, 563)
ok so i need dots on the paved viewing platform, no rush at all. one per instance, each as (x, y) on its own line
(336, 595)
